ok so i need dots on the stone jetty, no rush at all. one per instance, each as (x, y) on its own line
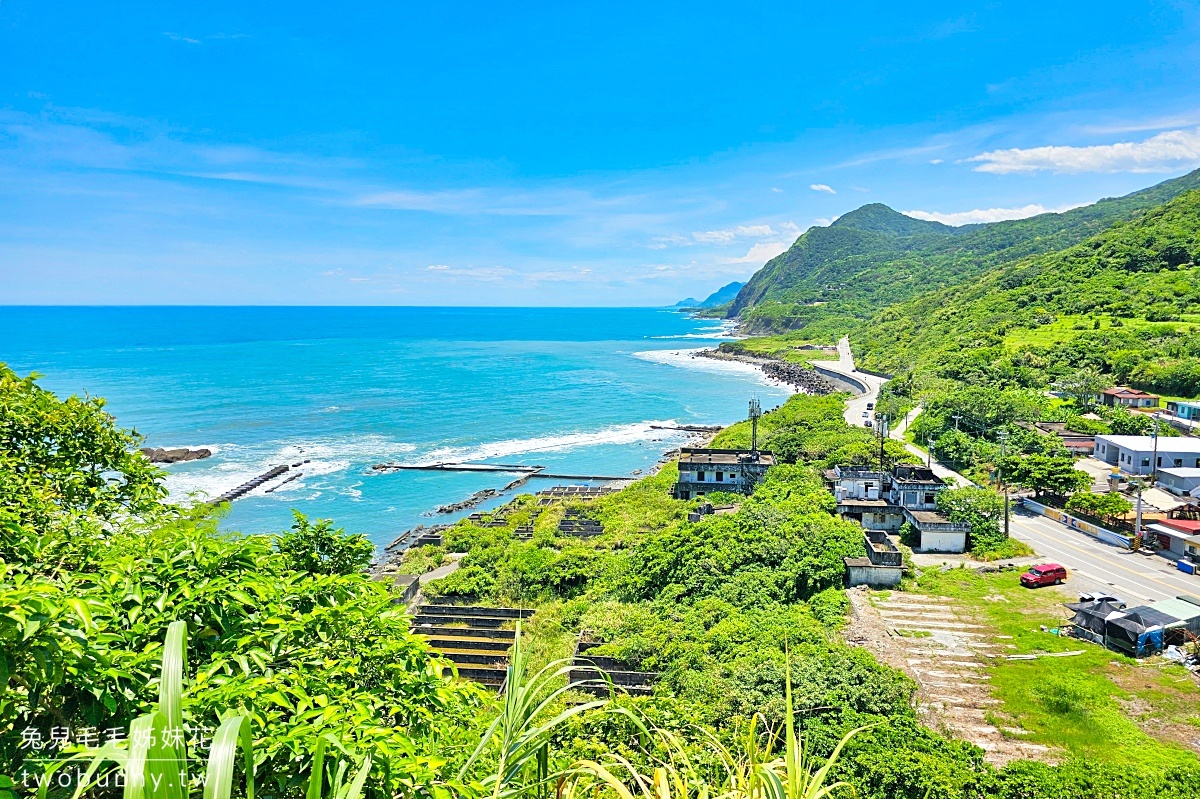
(799, 376)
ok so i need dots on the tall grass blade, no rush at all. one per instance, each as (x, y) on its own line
(233, 735)
(317, 777)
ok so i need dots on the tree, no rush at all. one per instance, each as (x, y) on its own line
(981, 508)
(317, 548)
(1084, 386)
(1103, 506)
(955, 446)
(1045, 473)
(66, 470)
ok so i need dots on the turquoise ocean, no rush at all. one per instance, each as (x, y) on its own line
(579, 391)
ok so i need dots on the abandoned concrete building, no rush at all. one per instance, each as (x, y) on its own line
(885, 500)
(881, 568)
(736, 471)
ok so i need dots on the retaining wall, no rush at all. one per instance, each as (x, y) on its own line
(842, 380)
(1095, 531)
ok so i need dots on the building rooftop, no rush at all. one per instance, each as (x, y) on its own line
(724, 457)
(916, 474)
(1179, 608)
(929, 517)
(864, 503)
(1190, 526)
(1146, 443)
(1126, 391)
(1183, 472)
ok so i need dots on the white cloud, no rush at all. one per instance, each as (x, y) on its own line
(1170, 150)
(986, 214)
(175, 37)
(729, 234)
(935, 161)
(822, 187)
(487, 273)
(762, 251)
(777, 190)
(823, 222)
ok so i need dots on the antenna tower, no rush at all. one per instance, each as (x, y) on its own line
(755, 415)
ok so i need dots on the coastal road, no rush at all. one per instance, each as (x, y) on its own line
(855, 406)
(1092, 564)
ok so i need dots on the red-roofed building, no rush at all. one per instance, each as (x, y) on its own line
(1180, 536)
(1127, 397)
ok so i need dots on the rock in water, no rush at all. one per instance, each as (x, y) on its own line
(160, 455)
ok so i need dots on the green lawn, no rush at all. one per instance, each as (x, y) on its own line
(1098, 704)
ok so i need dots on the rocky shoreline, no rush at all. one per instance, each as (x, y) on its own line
(160, 455)
(800, 377)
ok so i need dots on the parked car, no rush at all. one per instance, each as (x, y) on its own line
(867, 423)
(870, 406)
(1101, 596)
(866, 414)
(1043, 574)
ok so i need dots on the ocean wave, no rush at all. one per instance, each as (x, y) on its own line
(713, 336)
(236, 464)
(617, 434)
(689, 359)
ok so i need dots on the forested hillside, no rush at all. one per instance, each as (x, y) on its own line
(834, 278)
(1125, 302)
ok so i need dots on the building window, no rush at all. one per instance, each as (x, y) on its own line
(930, 498)
(720, 477)
(700, 476)
(1178, 462)
(1145, 461)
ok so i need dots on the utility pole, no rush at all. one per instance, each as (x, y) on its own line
(1137, 519)
(1000, 474)
(929, 453)
(1154, 458)
(881, 423)
(956, 417)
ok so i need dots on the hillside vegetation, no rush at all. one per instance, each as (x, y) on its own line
(1125, 303)
(835, 278)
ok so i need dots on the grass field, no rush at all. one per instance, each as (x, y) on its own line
(786, 347)
(1097, 704)
(1066, 328)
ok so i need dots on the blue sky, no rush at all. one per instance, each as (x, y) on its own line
(547, 153)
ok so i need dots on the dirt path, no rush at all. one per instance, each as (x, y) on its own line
(928, 638)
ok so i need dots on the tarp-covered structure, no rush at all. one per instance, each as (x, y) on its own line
(1137, 631)
(1090, 617)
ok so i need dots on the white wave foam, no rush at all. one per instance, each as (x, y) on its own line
(689, 359)
(713, 336)
(618, 434)
(237, 464)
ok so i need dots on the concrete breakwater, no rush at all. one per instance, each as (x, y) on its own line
(802, 377)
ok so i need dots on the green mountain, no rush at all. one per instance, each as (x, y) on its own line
(1125, 302)
(834, 278)
(722, 295)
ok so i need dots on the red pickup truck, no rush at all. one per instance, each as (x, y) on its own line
(1043, 574)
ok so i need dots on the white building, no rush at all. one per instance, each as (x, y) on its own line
(884, 501)
(1136, 454)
